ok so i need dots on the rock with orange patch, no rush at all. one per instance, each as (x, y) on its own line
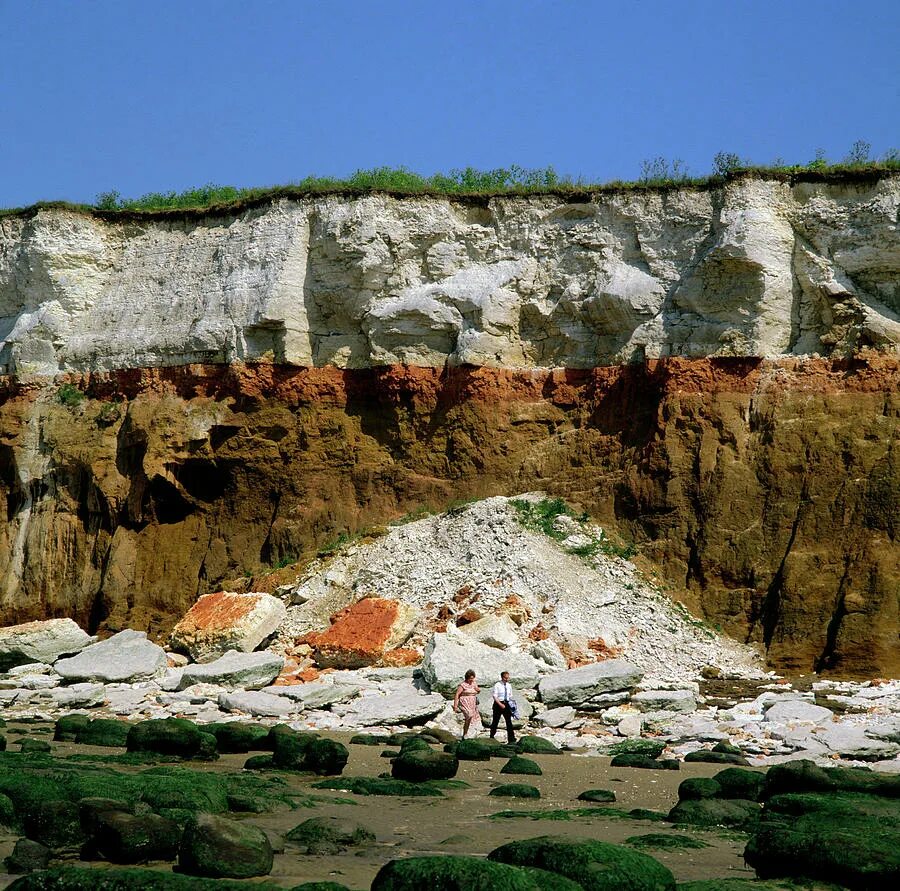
(401, 657)
(363, 632)
(224, 621)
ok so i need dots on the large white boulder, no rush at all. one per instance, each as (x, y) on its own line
(224, 621)
(497, 631)
(251, 671)
(665, 701)
(579, 686)
(40, 642)
(126, 656)
(792, 711)
(316, 694)
(448, 656)
(399, 706)
(258, 704)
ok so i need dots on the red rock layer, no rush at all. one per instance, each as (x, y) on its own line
(766, 492)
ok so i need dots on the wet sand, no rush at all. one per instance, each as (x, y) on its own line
(461, 822)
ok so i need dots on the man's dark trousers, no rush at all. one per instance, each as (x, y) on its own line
(495, 720)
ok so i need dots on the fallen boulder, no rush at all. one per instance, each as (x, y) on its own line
(219, 848)
(420, 765)
(250, 671)
(43, 641)
(328, 835)
(175, 737)
(401, 706)
(257, 704)
(495, 631)
(578, 686)
(126, 656)
(224, 621)
(363, 632)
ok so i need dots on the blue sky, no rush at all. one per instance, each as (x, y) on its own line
(152, 96)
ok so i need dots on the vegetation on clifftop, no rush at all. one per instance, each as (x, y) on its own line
(656, 173)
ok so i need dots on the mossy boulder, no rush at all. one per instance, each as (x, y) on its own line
(2, 743)
(27, 856)
(849, 838)
(417, 766)
(30, 746)
(308, 753)
(644, 761)
(174, 737)
(415, 744)
(237, 737)
(464, 874)
(704, 756)
(536, 745)
(7, 812)
(523, 766)
(369, 739)
(219, 848)
(727, 748)
(259, 762)
(697, 788)
(103, 732)
(90, 810)
(659, 841)
(598, 796)
(649, 747)
(67, 727)
(128, 839)
(595, 865)
(328, 835)
(736, 782)
(380, 786)
(732, 813)
(320, 886)
(515, 790)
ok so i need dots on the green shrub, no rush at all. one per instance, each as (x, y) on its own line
(70, 396)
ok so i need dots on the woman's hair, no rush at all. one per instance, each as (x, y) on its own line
(470, 674)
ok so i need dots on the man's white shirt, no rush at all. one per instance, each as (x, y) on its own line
(502, 692)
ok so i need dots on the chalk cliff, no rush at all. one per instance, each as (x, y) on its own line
(712, 372)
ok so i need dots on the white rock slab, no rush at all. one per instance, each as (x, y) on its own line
(665, 701)
(82, 695)
(448, 657)
(578, 686)
(556, 717)
(496, 631)
(251, 671)
(792, 711)
(398, 707)
(40, 642)
(126, 656)
(316, 694)
(260, 705)
(853, 743)
(547, 651)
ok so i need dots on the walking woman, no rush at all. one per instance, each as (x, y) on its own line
(466, 701)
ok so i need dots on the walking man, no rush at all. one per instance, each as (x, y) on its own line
(502, 696)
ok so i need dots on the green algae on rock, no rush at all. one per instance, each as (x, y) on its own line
(216, 847)
(328, 835)
(663, 841)
(417, 765)
(102, 732)
(524, 766)
(646, 762)
(380, 786)
(601, 796)
(175, 737)
(595, 865)
(75, 878)
(515, 790)
(536, 745)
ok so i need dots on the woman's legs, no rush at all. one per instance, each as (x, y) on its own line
(466, 722)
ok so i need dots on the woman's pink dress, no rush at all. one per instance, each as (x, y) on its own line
(468, 700)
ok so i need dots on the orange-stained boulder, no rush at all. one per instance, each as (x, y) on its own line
(362, 633)
(225, 621)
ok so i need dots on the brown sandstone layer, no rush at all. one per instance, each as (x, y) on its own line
(767, 492)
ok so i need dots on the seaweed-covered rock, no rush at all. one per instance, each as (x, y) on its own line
(27, 856)
(598, 796)
(595, 865)
(730, 812)
(238, 737)
(515, 790)
(380, 786)
(417, 765)
(852, 839)
(328, 835)
(219, 848)
(659, 841)
(472, 749)
(103, 732)
(307, 752)
(644, 761)
(2, 743)
(705, 756)
(697, 788)
(727, 747)
(736, 885)
(523, 766)
(54, 824)
(74, 878)
(7, 812)
(369, 739)
(259, 762)
(735, 782)
(649, 747)
(176, 737)
(536, 745)
(34, 746)
(67, 727)
(90, 810)
(415, 744)
(805, 776)
(125, 838)
(320, 886)
(464, 874)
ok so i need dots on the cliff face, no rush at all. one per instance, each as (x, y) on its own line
(190, 398)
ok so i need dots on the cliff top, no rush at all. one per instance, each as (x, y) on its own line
(467, 186)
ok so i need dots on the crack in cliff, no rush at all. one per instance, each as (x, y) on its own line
(770, 612)
(829, 651)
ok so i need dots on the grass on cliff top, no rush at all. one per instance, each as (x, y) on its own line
(657, 174)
